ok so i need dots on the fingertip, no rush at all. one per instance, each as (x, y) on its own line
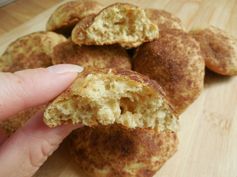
(65, 68)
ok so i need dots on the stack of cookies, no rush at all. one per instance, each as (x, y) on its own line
(142, 69)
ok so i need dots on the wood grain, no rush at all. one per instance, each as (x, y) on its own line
(20, 11)
(208, 129)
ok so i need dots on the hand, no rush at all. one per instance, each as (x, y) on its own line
(28, 148)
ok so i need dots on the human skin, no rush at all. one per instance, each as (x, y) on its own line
(28, 148)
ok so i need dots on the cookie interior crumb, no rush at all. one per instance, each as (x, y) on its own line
(120, 24)
(107, 99)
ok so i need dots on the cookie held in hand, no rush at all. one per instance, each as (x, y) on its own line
(109, 96)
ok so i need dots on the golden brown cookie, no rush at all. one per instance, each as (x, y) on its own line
(219, 50)
(108, 96)
(14, 122)
(67, 15)
(176, 63)
(164, 20)
(31, 51)
(123, 24)
(91, 56)
(114, 150)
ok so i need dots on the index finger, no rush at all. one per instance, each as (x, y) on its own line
(29, 88)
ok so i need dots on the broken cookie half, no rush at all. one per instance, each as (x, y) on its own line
(123, 24)
(109, 96)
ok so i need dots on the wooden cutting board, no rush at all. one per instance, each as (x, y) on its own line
(208, 131)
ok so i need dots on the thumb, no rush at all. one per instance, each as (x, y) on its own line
(25, 151)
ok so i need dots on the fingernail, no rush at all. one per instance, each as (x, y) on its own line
(65, 68)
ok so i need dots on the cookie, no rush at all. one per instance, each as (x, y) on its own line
(14, 122)
(176, 63)
(219, 50)
(164, 20)
(114, 150)
(112, 56)
(123, 24)
(67, 15)
(109, 96)
(30, 51)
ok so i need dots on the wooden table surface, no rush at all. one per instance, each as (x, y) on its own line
(208, 128)
(20, 11)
